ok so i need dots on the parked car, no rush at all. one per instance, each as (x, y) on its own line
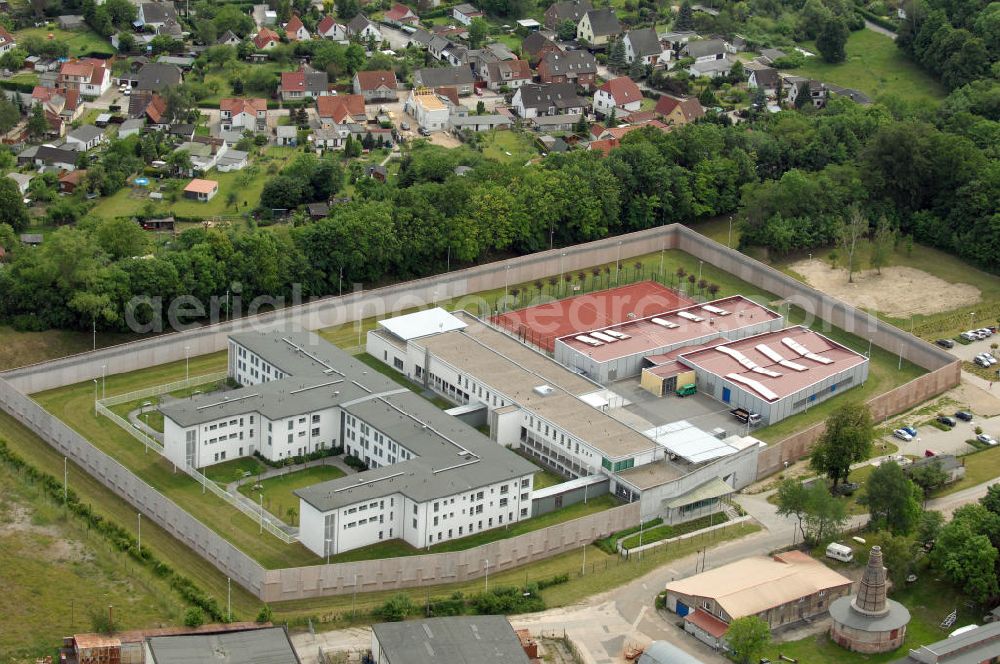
(405, 126)
(910, 430)
(981, 362)
(846, 488)
(969, 336)
(986, 438)
(947, 421)
(945, 343)
(424, 131)
(902, 435)
(985, 331)
(964, 415)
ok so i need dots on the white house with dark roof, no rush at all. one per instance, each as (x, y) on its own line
(361, 29)
(465, 13)
(533, 100)
(644, 45)
(598, 26)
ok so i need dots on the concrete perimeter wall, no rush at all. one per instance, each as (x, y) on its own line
(294, 583)
(438, 568)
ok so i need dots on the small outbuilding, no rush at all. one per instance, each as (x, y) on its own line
(201, 190)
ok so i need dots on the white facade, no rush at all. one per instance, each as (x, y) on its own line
(604, 102)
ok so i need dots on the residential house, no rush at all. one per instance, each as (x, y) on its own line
(232, 160)
(676, 111)
(61, 106)
(769, 55)
(461, 78)
(766, 79)
(598, 26)
(155, 14)
(90, 76)
(182, 131)
(266, 39)
(131, 127)
(603, 145)
(511, 73)
(570, 10)
(792, 86)
(643, 45)
(7, 41)
(456, 55)
(711, 57)
(536, 45)
(85, 137)
(430, 112)
(263, 16)
(576, 67)
(343, 115)
(148, 106)
(228, 38)
(361, 29)
(22, 180)
(246, 114)
(480, 122)
(419, 38)
(204, 152)
(437, 46)
(675, 40)
(295, 30)
(288, 135)
(377, 85)
(784, 589)
(401, 15)
(201, 190)
(306, 83)
(328, 28)
(533, 100)
(619, 93)
(68, 182)
(158, 76)
(58, 158)
(500, 52)
(465, 13)
(171, 28)
(327, 139)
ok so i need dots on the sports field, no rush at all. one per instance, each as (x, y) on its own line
(542, 324)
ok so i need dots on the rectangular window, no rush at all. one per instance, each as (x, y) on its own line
(315, 419)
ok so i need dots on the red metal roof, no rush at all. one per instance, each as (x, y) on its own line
(707, 623)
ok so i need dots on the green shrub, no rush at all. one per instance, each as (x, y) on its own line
(194, 617)
(396, 608)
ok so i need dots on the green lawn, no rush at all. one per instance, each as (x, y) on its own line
(546, 478)
(278, 497)
(496, 144)
(876, 67)
(81, 42)
(18, 349)
(929, 602)
(220, 80)
(657, 533)
(980, 467)
(29, 77)
(55, 572)
(235, 469)
(246, 184)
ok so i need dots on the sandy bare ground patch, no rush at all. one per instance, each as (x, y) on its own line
(899, 291)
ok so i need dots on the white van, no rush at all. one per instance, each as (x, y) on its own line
(840, 552)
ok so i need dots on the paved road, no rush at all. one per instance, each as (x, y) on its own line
(603, 624)
(879, 29)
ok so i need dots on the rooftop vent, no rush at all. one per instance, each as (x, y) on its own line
(544, 390)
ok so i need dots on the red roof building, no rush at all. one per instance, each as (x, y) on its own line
(604, 145)
(620, 93)
(378, 85)
(294, 29)
(400, 13)
(679, 111)
(339, 109)
(266, 38)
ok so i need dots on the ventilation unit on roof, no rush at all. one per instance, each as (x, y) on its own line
(544, 390)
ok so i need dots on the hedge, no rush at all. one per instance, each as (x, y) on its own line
(115, 534)
(880, 21)
(17, 86)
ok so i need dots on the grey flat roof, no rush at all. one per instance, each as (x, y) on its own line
(451, 456)
(513, 369)
(459, 640)
(972, 647)
(256, 646)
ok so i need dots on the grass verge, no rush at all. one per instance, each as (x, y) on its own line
(277, 491)
(665, 531)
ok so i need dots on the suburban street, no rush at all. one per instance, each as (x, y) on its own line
(604, 624)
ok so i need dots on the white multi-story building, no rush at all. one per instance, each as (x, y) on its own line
(432, 478)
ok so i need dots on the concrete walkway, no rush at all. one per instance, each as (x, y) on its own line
(135, 418)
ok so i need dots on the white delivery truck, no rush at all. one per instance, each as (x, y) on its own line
(839, 552)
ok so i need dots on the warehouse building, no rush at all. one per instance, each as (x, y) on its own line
(552, 414)
(432, 478)
(776, 374)
(270, 645)
(457, 640)
(620, 351)
(785, 589)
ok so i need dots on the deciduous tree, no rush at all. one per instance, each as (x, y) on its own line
(893, 500)
(846, 439)
(747, 637)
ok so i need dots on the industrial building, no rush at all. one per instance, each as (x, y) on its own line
(607, 354)
(454, 640)
(776, 374)
(432, 477)
(256, 646)
(782, 590)
(552, 414)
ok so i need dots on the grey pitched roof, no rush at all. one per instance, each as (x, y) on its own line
(466, 9)
(158, 12)
(86, 133)
(358, 23)
(571, 10)
(560, 95)
(604, 22)
(644, 42)
(51, 155)
(703, 47)
(256, 646)
(535, 42)
(772, 54)
(856, 96)
(972, 647)
(226, 37)
(767, 77)
(570, 62)
(438, 43)
(438, 77)
(421, 36)
(157, 76)
(459, 640)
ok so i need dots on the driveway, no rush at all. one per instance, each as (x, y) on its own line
(879, 29)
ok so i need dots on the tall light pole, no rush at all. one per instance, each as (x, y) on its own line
(139, 537)
(229, 599)
(104, 391)
(260, 500)
(700, 263)
(730, 243)
(487, 575)
(618, 264)
(187, 362)
(354, 595)
(506, 276)
(65, 481)
(448, 268)
(561, 257)
(95, 396)
(328, 550)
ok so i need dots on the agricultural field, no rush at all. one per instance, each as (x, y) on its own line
(876, 67)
